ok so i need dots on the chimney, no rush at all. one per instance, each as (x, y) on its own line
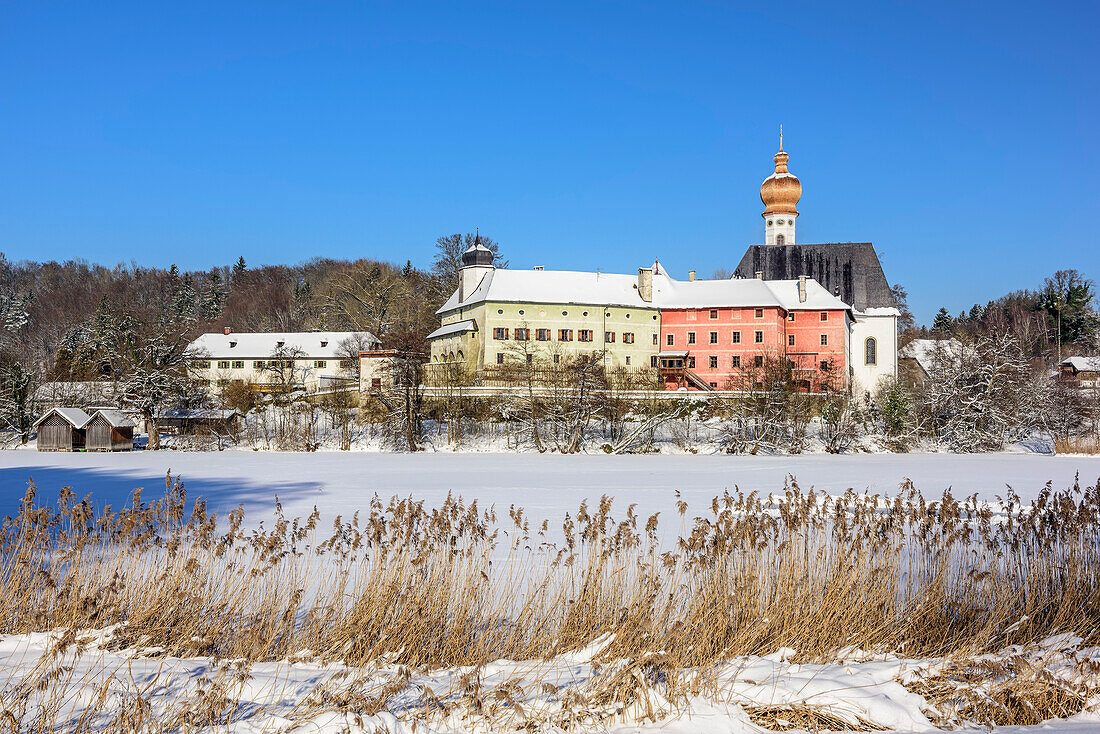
(228, 330)
(691, 276)
(539, 267)
(645, 284)
(802, 289)
(760, 275)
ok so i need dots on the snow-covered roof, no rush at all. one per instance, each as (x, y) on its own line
(1083, 364)
(257, 345)
(458, 327)
(612, 289)
(741, 292)
(116, 418)
(923, 351)
(879, 311)
(552, 286)
(76, 417)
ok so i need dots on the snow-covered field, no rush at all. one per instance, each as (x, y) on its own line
(271, 695)
(547, 485)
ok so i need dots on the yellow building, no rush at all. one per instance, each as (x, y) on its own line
(501, 317)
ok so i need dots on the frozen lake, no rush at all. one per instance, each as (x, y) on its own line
(546, 484)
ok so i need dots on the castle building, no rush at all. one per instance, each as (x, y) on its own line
(825, 311)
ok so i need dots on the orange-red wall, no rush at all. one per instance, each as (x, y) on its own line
(807, 351)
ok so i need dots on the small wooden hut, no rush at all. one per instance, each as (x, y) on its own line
(109, 430)
(62, 429)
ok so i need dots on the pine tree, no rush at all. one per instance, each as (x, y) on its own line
(212, 300)
(943, 322)
(239, 267)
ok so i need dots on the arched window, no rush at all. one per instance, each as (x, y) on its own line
(870, 351)
(780, 239)
(461, 357)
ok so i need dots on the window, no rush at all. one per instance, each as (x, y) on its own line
(319, 364)
(655, 340)
(824, 340)
(790, 340)
(500, 358)
(500, 333)
(543, 335)
(735, 361)
(522, 334)
(223, 364)
(713, 362)
(759, 337)
(609, 337)
(500, 311)
(691, 363)
(714, 385)
(530, 359)
(714, 313)
(238, 364)
(653, 361)
(259, 364)
(824, 365)
(780, 239)
(670, 340)
(870, 351)
(691, 337)
(202, 364)
(758, 360)
(345, 364)
(628, 360)
(565, 335)
(790, 316)
(759, 313)
(557, 359)
(824, 315)
(690, 315)
(584, 335)
(736, 337)
(714, 337)
(628, 337)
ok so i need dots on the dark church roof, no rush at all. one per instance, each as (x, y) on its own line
(851, 269)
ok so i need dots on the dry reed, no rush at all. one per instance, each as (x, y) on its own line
(459, 586)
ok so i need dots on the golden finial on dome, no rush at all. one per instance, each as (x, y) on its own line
(781, 191)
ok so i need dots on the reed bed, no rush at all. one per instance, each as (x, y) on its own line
(423, 589)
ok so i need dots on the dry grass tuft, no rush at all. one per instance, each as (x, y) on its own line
(805, 718)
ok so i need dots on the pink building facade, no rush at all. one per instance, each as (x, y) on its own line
(731, 347)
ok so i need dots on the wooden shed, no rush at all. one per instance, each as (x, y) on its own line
(62, 429)
(109, 430)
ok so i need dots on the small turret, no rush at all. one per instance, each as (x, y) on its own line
(477, 261)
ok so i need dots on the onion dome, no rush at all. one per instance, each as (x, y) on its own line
(477, 254)
(780, 191)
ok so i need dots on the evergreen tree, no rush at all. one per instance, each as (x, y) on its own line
(213, 298)
(943, 323)
(239, 267)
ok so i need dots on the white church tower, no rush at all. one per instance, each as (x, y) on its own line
(780, 193)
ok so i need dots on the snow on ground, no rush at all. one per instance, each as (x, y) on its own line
(96, 684)
(547, 485)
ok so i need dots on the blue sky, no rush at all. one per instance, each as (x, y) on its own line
(958, 137)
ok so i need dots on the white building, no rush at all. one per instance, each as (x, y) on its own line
(307, 360)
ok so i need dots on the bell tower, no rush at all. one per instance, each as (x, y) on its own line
(780, 193)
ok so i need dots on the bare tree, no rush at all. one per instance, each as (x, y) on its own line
(152, 363)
